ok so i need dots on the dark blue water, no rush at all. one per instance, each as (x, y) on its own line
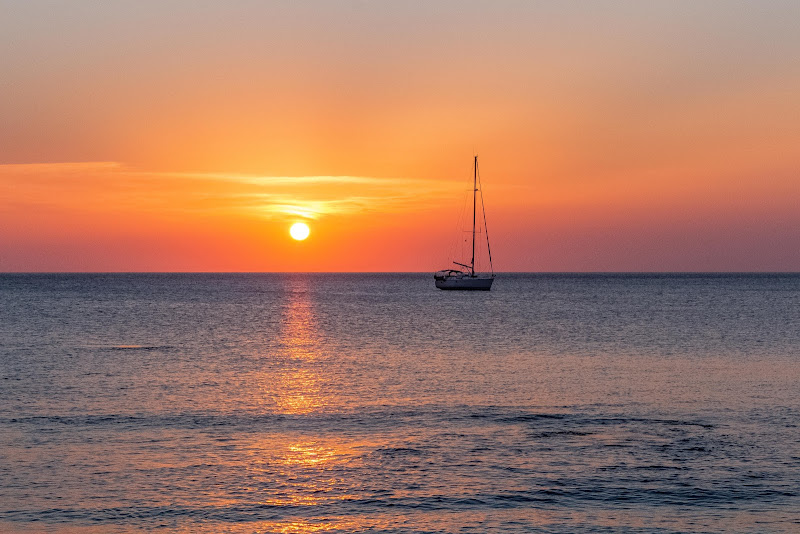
(373, 402)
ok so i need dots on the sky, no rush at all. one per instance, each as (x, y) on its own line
(189, 136)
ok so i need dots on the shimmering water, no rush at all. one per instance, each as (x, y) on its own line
(351, 403)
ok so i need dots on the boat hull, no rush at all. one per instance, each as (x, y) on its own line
(465, 284)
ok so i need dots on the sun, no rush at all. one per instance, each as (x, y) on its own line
(299, 231)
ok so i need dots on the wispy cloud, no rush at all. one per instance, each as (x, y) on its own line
(282, 180)
(104, 185)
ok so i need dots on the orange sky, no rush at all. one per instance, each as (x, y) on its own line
(179, 136)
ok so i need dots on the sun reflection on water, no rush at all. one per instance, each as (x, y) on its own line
(303, 475)
(296, 470)
(297, 389)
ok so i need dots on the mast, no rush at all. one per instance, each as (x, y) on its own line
(474, 198)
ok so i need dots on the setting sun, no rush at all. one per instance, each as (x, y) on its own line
(299, 231)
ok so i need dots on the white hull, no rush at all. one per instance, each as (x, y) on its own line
(474, 283)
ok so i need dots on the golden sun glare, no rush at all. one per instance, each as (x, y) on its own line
(299, 231)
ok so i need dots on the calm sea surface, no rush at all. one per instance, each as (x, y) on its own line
(352, 403)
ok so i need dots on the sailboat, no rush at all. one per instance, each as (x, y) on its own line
(466, 277)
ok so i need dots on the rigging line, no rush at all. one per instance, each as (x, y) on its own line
(456, 248)
(485, 226)
(461, 242)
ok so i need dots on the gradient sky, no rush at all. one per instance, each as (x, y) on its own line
(189, 136)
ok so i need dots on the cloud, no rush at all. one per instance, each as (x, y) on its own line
(90, 186)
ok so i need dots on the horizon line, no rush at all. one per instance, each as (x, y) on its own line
(397, 272)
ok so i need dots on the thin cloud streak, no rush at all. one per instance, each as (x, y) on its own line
(287, 180)
(100, 185)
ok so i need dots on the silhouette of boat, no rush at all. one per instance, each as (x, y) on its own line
(466, 278)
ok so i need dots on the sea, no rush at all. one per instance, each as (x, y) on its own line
(216, 403)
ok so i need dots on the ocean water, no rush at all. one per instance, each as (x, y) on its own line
(375, 403)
